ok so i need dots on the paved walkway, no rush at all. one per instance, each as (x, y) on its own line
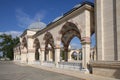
(76, 74)
(11, 71)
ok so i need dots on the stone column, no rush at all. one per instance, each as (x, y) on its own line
(86, 54)
(85, 39)
(39, 54)
(66, 53)
(31, 56)
(57, 55)
(117, 2)
(24, 55)
(49, 55)
(42, 55)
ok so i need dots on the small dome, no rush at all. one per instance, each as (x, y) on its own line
(37, 25)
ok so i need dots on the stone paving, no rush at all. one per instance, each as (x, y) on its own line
(77, 74)
(11, 71)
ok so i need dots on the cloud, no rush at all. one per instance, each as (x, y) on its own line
(40, 25)
(75, 46)
(24, 19)
(13, 33)
(39, 16)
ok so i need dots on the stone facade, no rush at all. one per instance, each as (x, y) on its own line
(108, 38)
(44, 45)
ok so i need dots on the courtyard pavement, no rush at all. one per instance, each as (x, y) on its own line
(17, 71)
(81, 75)
(11, 71)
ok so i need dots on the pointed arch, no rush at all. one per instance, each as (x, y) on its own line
(24, 42)
(36, 43)
(68, 32)
(49, 45)
(37, 47)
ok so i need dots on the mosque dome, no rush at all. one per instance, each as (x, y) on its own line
(37, 25)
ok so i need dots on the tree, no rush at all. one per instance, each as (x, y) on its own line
(7, 43)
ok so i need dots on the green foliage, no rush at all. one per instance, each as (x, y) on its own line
(7, 43)
(62, 54)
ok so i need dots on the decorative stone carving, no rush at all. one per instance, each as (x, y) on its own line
(31, 50)
(85, 40)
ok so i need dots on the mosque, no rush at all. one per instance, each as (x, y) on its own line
(42, 45)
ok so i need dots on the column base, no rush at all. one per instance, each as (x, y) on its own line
(106, 68)
(23, 62)
(56, 65)
(41, 62)
(30, 62)
(86, 71)
(34, 62)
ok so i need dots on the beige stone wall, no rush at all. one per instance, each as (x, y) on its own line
(118, 26)
(31, 58)
(23, 58)
(106, 30)
(31, 33)
(99, 29)
(108, 38)
(114, 73)
(106, 68)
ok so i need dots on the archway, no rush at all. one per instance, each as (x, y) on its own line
(37, 47)
(75, 48)
(68, 32)
(49, 47)
(74, 55)
(24, 43)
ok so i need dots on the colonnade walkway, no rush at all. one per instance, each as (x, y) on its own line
(73, 73)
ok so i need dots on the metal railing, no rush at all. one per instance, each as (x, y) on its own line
(70, 65)
(49, 63)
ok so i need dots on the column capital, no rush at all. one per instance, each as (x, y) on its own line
(42, 49)
(31, 50)
(23, 52)
(85, 40)
(57, 47)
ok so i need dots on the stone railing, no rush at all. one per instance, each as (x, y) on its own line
(37, 62)
(49, 63)
(70, 65)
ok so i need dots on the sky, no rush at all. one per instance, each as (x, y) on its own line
(17, 15)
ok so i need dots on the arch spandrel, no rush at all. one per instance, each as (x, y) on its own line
(68, 27)
(68, 31)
